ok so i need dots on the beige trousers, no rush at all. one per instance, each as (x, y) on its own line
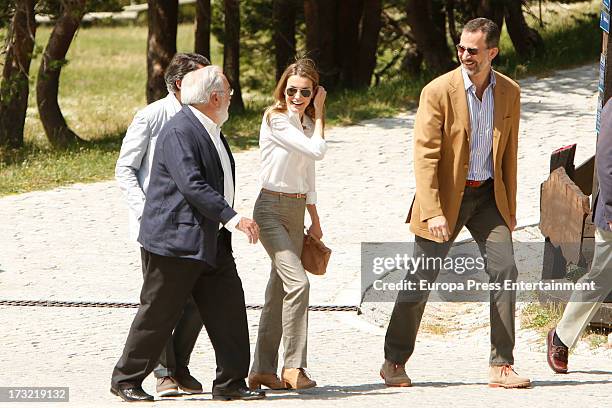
(285, 311)
(584, 304)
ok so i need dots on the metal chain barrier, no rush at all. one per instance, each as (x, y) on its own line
(118, 305)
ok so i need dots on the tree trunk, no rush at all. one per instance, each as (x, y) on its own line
(161, 45)
(411, 64)
(450, 17)
(493, 10)
(47, 86)
(231, 52)
(321, 18)
(347, 57)
(427, 24)
(283, 15)
(371, 24)
(202, 31)
(311, 17)
(15, 75)
(342, 37)
(525, 39)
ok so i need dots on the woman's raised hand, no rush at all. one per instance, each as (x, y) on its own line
(319, 100)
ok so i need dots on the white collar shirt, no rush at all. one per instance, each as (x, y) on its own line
(288, 150)
(228, 181)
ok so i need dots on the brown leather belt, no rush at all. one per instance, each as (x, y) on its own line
(278, 193)
(475, 183)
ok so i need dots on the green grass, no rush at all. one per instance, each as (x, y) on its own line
(596, 338)
(571, 35)
(33, 168)
(543, 317)
(103, 86)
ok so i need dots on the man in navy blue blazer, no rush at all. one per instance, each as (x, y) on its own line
(185, 232)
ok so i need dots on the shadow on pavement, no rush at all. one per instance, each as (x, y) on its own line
(598, 372)
(556, 383)
(325, 392)
(441, 384)
(332, 392)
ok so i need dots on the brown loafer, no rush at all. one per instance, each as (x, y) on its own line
(394, 375)
(556, 356)
(270, 380)
(296, 379)
(166, 387)
(504, 376)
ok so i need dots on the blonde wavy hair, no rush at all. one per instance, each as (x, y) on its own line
(304, 67)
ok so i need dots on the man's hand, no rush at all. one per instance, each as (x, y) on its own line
(610, 225)
(512, 222)
(438, 227)
(250, 228)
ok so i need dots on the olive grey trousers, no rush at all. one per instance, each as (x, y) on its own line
(478, 212)
(285, 311)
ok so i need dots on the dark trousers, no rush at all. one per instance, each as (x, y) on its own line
(479, 214)
(218, 294)
(175, 355)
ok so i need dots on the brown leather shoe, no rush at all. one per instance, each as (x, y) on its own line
(296, 379)
(504, 376)
(394, 375)
(270, 380)
(167, 387)
(556, 355)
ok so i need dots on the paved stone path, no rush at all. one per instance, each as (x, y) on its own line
(71, 244)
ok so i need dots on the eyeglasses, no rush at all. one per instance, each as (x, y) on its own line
(291, 91)
(472, 51)
(230, 90)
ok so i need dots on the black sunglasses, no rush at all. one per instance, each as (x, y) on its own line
(292, 91)
(471, 51)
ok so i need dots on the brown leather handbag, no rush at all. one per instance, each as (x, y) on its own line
(315, 255)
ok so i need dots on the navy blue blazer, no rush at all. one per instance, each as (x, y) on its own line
(184, 204)
(603, 161)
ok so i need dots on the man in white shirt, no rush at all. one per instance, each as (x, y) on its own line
(132, 173)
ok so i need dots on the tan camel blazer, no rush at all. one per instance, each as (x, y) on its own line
(441, 150)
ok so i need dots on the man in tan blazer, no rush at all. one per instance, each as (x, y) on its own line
(465, 159)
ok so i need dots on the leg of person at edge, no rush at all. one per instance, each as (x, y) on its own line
(465, 159)
(185, 232)
(583, 305)
(132, 173)
(290, 140)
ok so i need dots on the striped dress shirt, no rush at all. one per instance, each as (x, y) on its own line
(481, 123)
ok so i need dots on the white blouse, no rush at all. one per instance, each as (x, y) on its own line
(288, 152)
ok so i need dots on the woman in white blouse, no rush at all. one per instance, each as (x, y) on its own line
(291, 139)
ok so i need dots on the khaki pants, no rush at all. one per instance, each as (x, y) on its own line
(479, 214)
(583, 305)
(285, 311)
